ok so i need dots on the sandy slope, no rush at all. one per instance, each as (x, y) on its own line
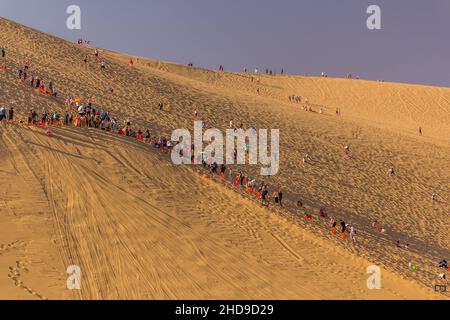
(145, 229)
(78, 180)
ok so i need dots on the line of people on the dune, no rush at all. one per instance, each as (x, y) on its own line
(268, 71)
(82, 41)
(295, 99)
(35, 82)
(308, 107)
(271, 194)
(87, 116)
(38, 83)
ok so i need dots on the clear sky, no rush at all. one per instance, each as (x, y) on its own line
(301, 36)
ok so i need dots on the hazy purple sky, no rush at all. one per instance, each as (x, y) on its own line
(301, 36)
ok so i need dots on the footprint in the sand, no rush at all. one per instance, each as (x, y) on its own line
(15, 275)
(11, 246)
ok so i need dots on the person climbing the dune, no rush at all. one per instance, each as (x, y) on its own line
(50, 87)
(214, 168)
(275, 197)
(347, 152)
(2, 113)
(161, 106)
(280, 197)
(434, 197)
(140, 136)
(264, 193)
(223, 169)
(55, 118)
(391, 171)
(353, 234)
(237, 180)
(343, 229)
(322, 213)
(443, 264)
(333, 224)
(147, 136)
(30, 117)
(66, 118)
(44, 117)
(11, 114)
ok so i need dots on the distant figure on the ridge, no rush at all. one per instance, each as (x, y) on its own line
(420, 131)
(130, 63)
(161, 106)
(3, 53)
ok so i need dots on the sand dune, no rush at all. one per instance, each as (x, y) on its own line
(142, 228)
(145, 229)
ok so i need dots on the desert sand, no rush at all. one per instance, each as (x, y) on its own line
(141, 228)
